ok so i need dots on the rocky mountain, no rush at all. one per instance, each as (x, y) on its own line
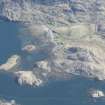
(70, 34)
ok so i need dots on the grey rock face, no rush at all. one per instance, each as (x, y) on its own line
(68, 36)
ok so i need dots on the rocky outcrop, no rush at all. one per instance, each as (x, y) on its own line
(85, 59)
(29, 48)
(12, 102)
(27, 78)
(12, 62)
(96, 93)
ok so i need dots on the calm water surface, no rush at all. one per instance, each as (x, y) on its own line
(9, 41)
